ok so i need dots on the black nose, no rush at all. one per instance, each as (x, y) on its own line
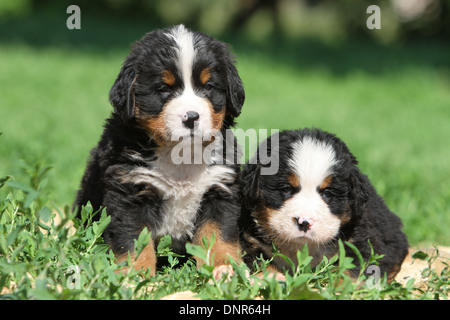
(189, 119)
(303, 225)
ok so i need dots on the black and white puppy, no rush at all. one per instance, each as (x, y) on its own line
(176, 87)
(317, 197)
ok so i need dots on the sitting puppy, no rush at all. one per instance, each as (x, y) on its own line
(177, 89)
(317, 197)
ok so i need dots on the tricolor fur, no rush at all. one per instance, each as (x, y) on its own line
(176, 86)
(317, 197)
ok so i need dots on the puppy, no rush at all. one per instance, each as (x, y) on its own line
(176, 94)
(317, 197)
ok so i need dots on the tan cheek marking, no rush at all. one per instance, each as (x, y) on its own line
(137, 111)
(155, 126)
(168, 77)
(205, 75)
(345, 217)
(217, 118)
(264, 218)
(222, 249)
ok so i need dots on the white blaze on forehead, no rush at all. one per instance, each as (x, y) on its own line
(188, 100)
(313, 161)
(184, 40)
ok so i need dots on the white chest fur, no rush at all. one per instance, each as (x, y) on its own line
(182, 188)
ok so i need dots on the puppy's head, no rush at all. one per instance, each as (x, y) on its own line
(317, 190)
(178, 83)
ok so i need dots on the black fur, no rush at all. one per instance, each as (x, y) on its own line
(350, 192)
(125, 145)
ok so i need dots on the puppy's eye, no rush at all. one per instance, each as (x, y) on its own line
(207, 87)
(286, 192)
(164, 89)
(327, 194)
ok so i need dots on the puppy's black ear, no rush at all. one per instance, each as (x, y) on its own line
(249, 177)
(235, 88)
(359, 185)
(121, 95)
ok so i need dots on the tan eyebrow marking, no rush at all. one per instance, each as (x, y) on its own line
(205, 75)
(293, 180)
(326, 182)
(168, 77)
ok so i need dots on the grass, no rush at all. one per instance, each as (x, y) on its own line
(41, 258)
(396, 123)
(54, 102)
(389, 103)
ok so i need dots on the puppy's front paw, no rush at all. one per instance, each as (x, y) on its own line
(224, 269)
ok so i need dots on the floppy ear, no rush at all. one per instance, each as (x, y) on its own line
(235, 88)
(250, 176)
(121, 95)
(359, 184)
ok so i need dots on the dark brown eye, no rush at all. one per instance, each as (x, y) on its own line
(164, 89)
(207, 87)
(329, 194)
(286, 192)
(326, 194)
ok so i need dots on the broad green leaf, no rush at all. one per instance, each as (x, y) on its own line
(196, 251)
(420, 255)
(302, 292)
(164, 243)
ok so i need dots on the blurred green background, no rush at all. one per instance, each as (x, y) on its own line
(304, 63)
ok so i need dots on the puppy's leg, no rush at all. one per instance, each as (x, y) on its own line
(222, 250)
(146, 259)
